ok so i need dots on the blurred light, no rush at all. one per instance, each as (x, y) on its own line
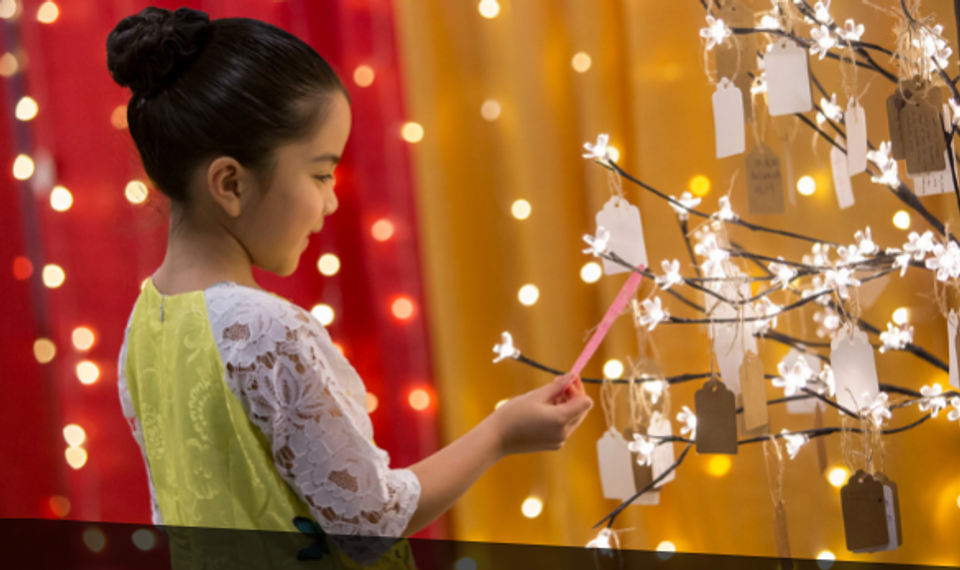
(489, 8)
(901, 220)
(136, 192)
(82, 338)
(48, 13)
(412, 132)
(323, 313)
(419, 399)
(500, 403)
(591, 272)
(699, 185)
(372, 403)
(490, 110)
(402, 308)
(958, 500)
(529, 294)
(118, 118)
(665, 550)
(26, 109)
(838, 476)
(532, 507)
(87, 372)
(613, 369)
(94, 540)
(825, 559)
(8, 64)
(74, 435)
(23, 167)
(53, 276)
(719, 465)
(22, 268)
(328, 264)
(806, 185)
(521, 209)
(60, 199)
(8, 9)
(465, 564)
(382, 230)
(363, 76)
(143, 539)
(76, 457)
(581, 62)
(60, 506)
(44, 350)
(614, 153)
(900, 316)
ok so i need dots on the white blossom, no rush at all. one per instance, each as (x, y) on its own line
(655, 388)
(889, 173)
(653, 313)
(829, 322)
(830, 108)
(599, 244)
(897, 337)
(919, 245)
(954, 414)
(672, 275)
(715, 32)
(933, 399)
(852, 31)
(505, 349)
(935, 50)
(793, 378)
(709, 247)
(822, 11)
(784, 274)
(820, 255)
(644, 448)
(945, 260)
(768, 311)
(954, 112)
(902, 260)
(603, 540)
(598, 150)
(865, 244)
(689, 420)
(726, 213)
(825, 383)
(876, 408)
(794, 442)
(688, 201)
(841, 279)
(770, 22)
(823, 40)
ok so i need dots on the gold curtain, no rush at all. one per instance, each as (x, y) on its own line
(647, 88)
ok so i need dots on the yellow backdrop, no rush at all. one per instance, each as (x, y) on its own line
(647, 88)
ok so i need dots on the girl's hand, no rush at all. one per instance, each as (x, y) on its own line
(542, 419)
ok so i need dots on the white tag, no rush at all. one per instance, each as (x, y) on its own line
(854, 367)
(788, 79)
(952, 319)
(622, 220)
(809, 405)
(841, 176)
(856, 123)
(648, 498)
(663, 454)
(720, 310)
(728, 119)
(616, 472)
(939, 182)
(730, 343)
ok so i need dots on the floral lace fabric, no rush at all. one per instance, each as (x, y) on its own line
(310, 405)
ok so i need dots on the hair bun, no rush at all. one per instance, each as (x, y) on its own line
(146, 51)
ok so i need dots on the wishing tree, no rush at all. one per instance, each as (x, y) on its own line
(762, 59)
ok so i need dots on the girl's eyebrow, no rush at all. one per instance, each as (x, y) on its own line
(329, 156)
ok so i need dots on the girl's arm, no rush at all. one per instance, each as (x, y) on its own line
(541, 419)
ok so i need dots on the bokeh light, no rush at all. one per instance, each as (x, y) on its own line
(136, 192)
(489, 8)
(363, 76)
(48, 13)
(412, 132)
(901, 220)
(581, 62)
(719, 465)
(521, 209)
(806, 185)
(402, 308)
(74, 435)
(382, 230)
(591, 272)
(88, 372)
(838, 476)
(83, 338)
(328, 264)
(44, 350)
(490, 110)
(23, 167)
(53, 276)
(532, 507)
(27, 109)
(419, 399)
(76, 457)
(60, 199)
(699, 185)
(613, 369)
(528, 294)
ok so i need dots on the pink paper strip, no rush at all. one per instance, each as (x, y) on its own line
(629, 288)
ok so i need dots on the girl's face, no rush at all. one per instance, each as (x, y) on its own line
(301, 194)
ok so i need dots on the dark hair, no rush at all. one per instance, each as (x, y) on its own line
(230, 87)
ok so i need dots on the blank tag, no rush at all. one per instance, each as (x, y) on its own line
(841, 176)
(622, 220)
(854, 368)
(895, 104)
(788, 79)
(663, 455)
(810, 404)
(895, 495)
(864, 513)
(764, 181)
(740, 49)
(728, 119)
(856, 123)
(616, 475)
(920, 127)
(754, 388)
(938, 182)
(729, 348)
(716, 411)
(953, 319)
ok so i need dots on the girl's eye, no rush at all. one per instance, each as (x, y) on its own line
(325, 178)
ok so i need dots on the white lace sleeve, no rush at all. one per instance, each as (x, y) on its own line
(279, 369)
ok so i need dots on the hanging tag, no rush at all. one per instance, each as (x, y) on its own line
(856, 122)
(716, 412)
(622, 220)
(920, 127)
(895, 104)
(728, 119)
(642, 474)
(820, 442)
(810, 404)
(953, 320)
(736, 55)
(616, 475)
(663, 455)
(939, 182)
(729, 348)
(896, 529)
(788, 79)
(841, 177)
(864, 509)
(854, 367)
(764, 181)
(754, 388)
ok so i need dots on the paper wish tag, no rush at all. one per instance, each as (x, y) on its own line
(895, 495)
(754, 393)
(939, 182)
(736, 55)
(728, 119)
(922, 133)
(841, 175)
(730, 343)
(663, 457)
(616, 474)
(788, 79)
(716, 412)
(642, 475)
(870, 514)
(953, 320)
(854, 367)
(622, 220)
(809, 405)
(856, 123)
(764, 181)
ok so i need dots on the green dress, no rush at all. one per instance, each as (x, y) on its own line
(249, 418)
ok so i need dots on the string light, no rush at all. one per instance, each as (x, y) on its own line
(48, 13)
(613, 153)
(53, 276)
(83, 338)
(490, 110)
(419, 399)
(837, 476)
(825, 559)
(372, 403)
(613, 369)
(806, 185)
(363, 76)
(591, 272)
(323, 313)
(23, 167)
(74, 435)
(76, 457)
(60, 506)
(901, 220)
(719, 465)
(521, 209)
(402, 308)
(87, 372)
(61, 199)
(118, 118)
(22, 268)
(382, 230)
(489, 8)
(699, 185)
(328, 264)
(94, 540)
(665, 550)
(581, 62)
(26, 109)
(8, 64)
(44, 350)
(412, 132)
(900, 316)
(532, 507)
(136, 192)
(143, 539)
(8, 9)
(528, 294)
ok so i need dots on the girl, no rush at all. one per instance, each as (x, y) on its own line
(246, 414)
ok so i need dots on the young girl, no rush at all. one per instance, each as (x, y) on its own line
(246, 414)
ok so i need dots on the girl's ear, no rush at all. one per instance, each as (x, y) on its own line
(228, 185)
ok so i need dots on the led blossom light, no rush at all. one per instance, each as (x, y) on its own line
(603, 540)
(865, 244)
(945, 260)
(768, 311)
(653, 314)
(897, 337)
(599, 244)
(794, 442)
(840, 280)
(822, 12)
(919, 245)
(933, 399)
(823, 40)
(599, 150)
(709, 248)
(954, 112)
(784, 274)
(889, 173)
(829, 322)
(715, 32)
(726, 213)
(689, 420)
(877, 408)
(793, 379)
(644, 448)
(831, 109)
(852, 31)
(505, 349)
(688, 201)
(672, 275)
(954, 414)
(935, 50)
